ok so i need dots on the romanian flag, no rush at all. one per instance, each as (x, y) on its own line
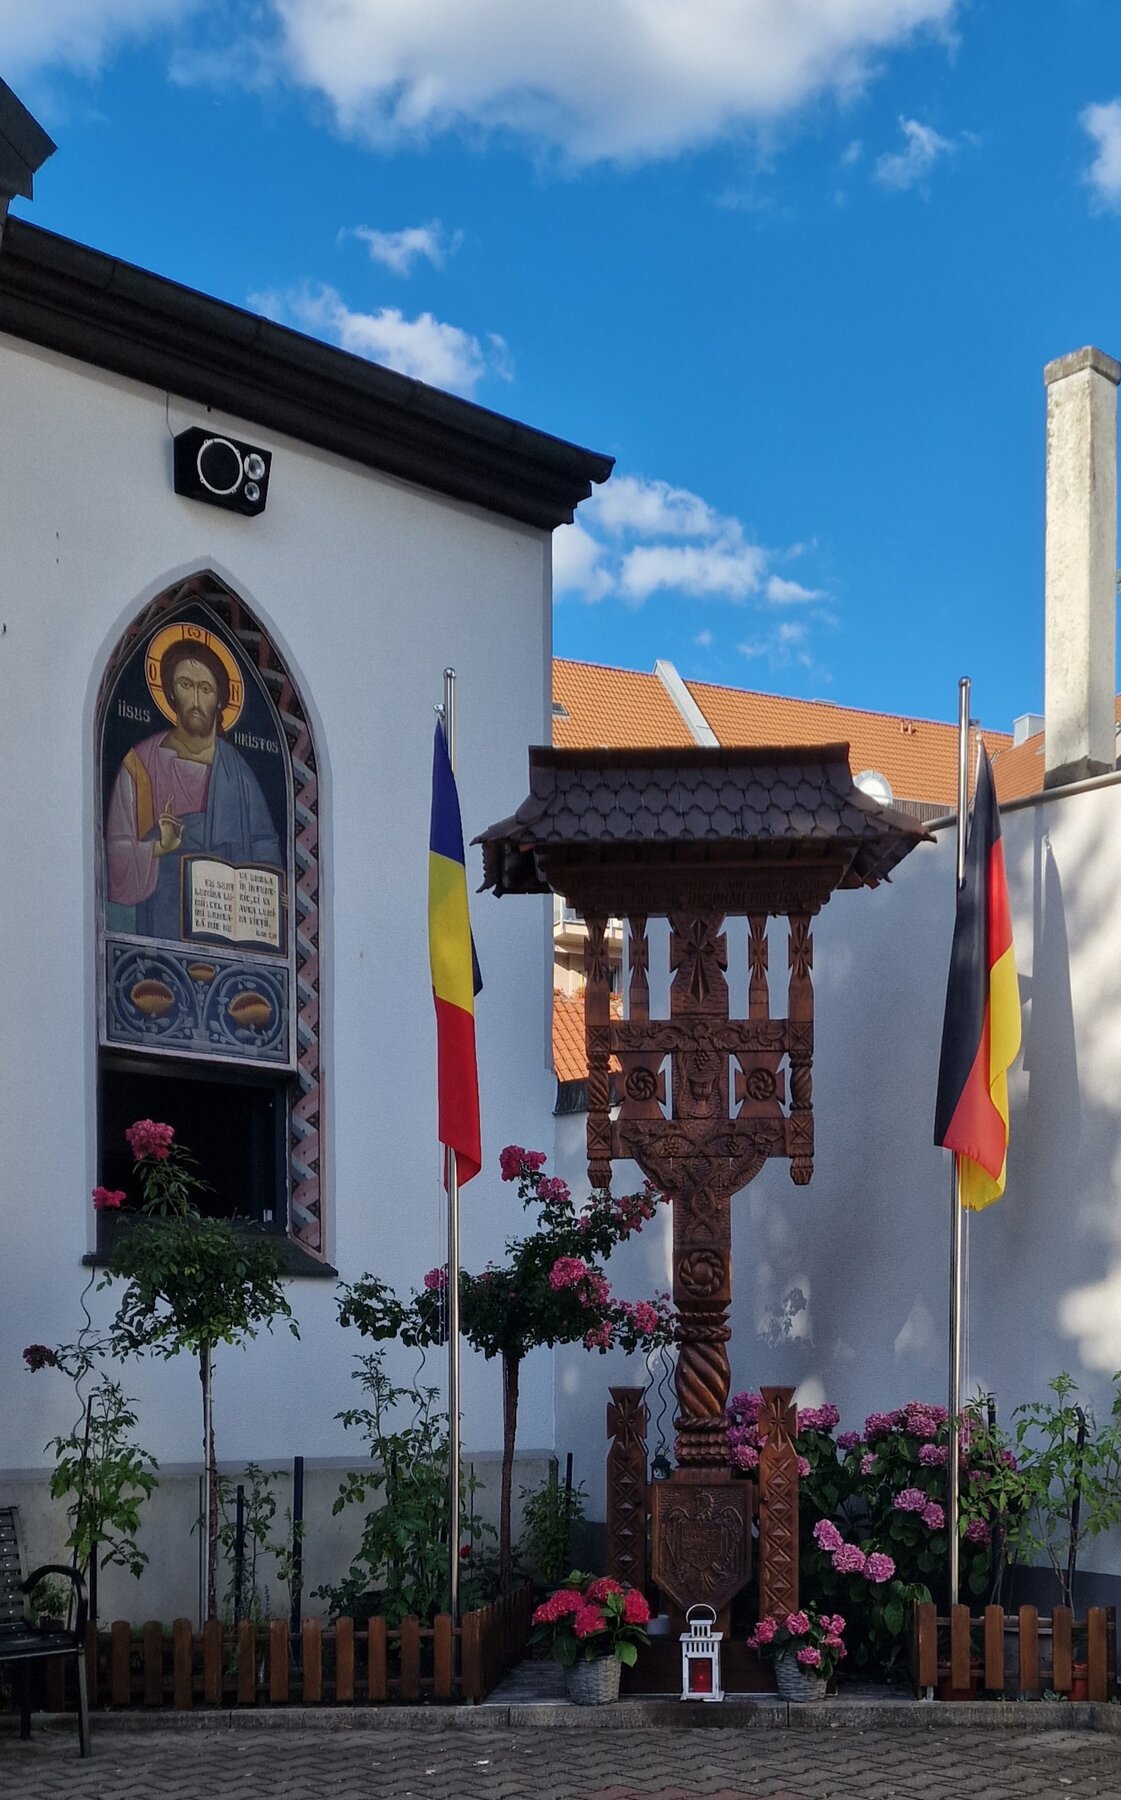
(981, 1032)
(455, 973)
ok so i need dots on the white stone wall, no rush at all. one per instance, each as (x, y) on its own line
(369, 587)
(841, 1286)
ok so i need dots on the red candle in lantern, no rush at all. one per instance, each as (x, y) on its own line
(700, 1675)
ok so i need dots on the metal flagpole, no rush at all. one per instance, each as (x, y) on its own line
(453, 1277)
(957, 1286)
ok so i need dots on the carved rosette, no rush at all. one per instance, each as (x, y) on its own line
(627, 1420)
(778, 1504)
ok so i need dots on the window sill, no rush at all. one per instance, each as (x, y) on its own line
(294, 1260)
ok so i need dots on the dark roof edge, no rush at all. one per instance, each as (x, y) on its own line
(83, 303)
(554, 756)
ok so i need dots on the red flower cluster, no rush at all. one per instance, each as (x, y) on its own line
(514, 1162)
(108, 1199)
(147, 1138)
(40, 1356)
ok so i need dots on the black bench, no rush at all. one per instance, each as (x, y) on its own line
(23, 1643)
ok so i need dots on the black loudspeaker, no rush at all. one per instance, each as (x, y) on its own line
(222, 471)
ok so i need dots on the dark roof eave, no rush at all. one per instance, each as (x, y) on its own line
(83, 303)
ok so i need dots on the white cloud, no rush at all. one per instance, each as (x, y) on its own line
(400, 250)
(852, 153)
(907, 168)
(77, 34)
(578, 564)
(637, 537)
(443, 355)
(1103, 124)
(592, 79)
(791, 593)
(725, 570)
(654, 509)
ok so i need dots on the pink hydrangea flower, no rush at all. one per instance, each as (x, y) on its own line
(879, 1567)
(818, 1418)
(934, 1456)
(797, 1623)
(868, 1463)
(933, 1516)
(635, 1609)
(764, 1633)
(910, 1499)
(923, 1419)
(826, 1535)
(809, 1656)
(849, 1559)
(878, 1425)
(803, 1467)
(745, 1408)
(836, 1624)
(835, 1643)
(588, 1621)
(745, 1456)
(108, 1199)
(602, 1586)
(436, 1279)
(147, 1138)
(978, 1531)
(848, 1440)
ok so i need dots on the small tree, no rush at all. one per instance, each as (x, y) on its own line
(550, 1291)
(192, 1283)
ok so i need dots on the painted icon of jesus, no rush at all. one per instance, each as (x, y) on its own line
(182, 792)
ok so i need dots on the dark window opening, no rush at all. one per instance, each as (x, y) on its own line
(236, 1128)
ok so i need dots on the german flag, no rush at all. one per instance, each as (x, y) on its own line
(455, 972)
(981, 1031)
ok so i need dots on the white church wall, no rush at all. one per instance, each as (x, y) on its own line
(369, 588)
(840, 1288)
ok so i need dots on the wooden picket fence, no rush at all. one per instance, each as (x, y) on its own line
(152, 1666)
(1018, 1653)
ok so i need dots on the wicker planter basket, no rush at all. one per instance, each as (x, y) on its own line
(594, 1683)
(796, 1683)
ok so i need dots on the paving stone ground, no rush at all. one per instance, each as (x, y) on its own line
(217, 1763)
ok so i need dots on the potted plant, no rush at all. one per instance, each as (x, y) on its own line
(592, 1626)
(804, 1650)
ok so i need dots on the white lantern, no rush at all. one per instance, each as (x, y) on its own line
(700, 1656)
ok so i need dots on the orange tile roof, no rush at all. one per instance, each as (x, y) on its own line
(1018, 769)
(613, 707)
(569, 1058)
(622, 708)
(918, 756)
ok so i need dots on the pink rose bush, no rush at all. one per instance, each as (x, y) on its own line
(592, 1616)
(551, 1289)
(814, 1638)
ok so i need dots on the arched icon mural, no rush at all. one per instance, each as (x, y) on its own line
(195, 865)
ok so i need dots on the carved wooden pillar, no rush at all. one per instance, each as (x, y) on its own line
(702, 1232)
(627, 1419)
(597, 1038)
(800, 1039)
(778, 1504)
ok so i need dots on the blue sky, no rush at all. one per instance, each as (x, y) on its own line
(796, 264)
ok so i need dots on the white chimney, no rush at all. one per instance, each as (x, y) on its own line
(1081, 566)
